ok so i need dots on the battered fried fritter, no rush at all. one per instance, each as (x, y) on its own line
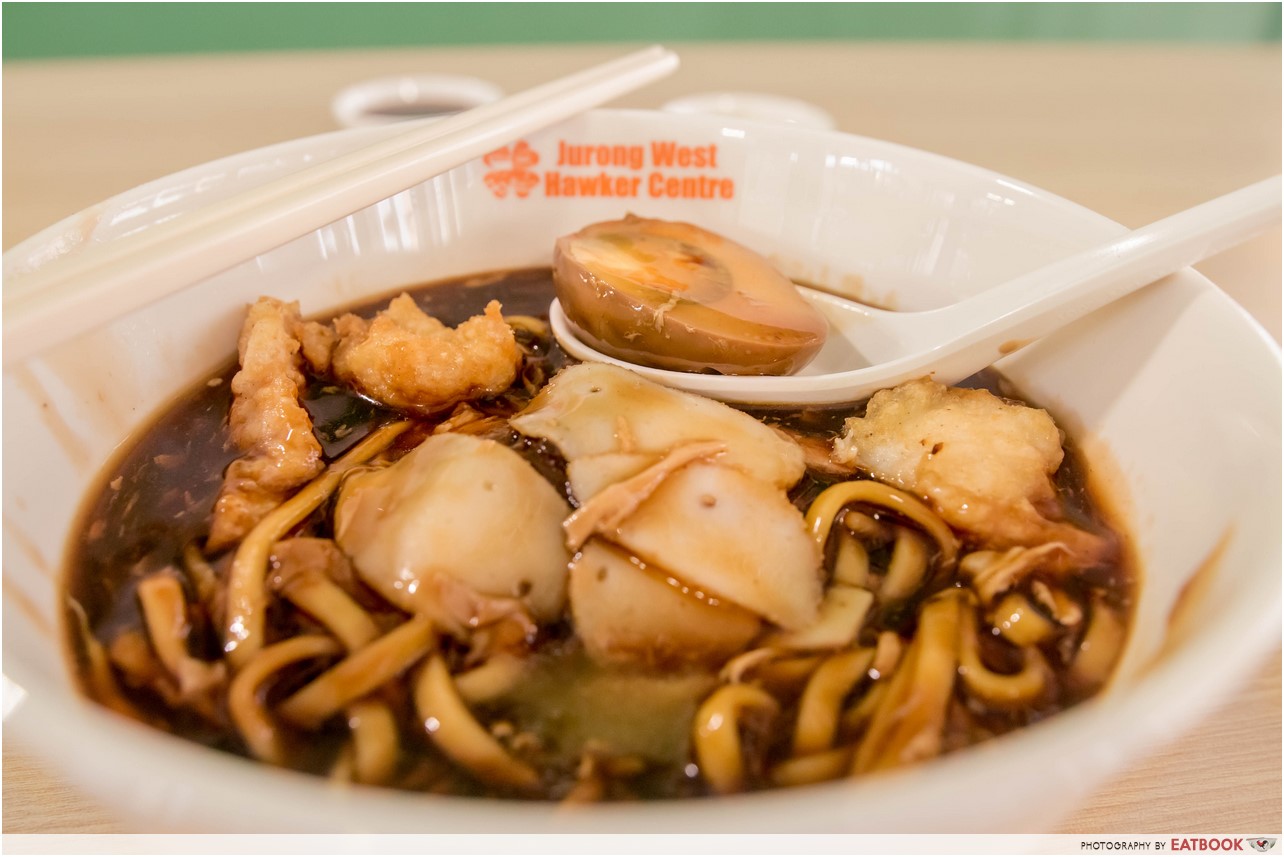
(267, 423)
(983, 463)
(407, 359)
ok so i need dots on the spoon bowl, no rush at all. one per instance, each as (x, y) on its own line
(869, 349)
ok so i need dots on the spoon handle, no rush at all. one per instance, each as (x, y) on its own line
(1043, 300)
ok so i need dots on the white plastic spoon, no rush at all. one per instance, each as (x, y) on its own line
(870, 349)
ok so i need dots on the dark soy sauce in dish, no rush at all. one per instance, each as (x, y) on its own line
(156, 500)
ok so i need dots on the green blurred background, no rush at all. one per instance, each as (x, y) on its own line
(50, 30)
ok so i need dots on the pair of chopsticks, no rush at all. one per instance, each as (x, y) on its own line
(82, 291)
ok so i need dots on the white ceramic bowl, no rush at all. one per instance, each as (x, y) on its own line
(1174, 393)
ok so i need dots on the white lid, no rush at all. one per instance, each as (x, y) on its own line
(757, 106)
(394, 99)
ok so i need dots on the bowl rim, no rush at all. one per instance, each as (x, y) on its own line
(349, 138)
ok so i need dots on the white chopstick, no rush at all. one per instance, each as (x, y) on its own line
(80, 292)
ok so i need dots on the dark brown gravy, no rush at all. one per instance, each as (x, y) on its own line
(157, 497)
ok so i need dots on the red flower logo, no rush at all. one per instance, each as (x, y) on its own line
(510, 170)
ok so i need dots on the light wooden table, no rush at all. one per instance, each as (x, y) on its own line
(1133, 132)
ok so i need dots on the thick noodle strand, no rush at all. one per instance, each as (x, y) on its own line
(1020, 623)
(247, 581)
(376, 745)
(457, 733)
(497, 676)
(869, 530)
(360, 673)
(816, 768)
(907, 570)
(717, 734)
(851, 562)
(325, 601)
(165, 614)
(841, 616)
(992, 573)
(824, 509)
(855, 718)
(908, 725)
(1101, 645)
(244, 695)
(996, 688)
(98, 674)
(202, 575)
(822, 700)
(787, 676)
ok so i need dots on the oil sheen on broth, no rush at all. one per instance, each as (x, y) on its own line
(992, 637)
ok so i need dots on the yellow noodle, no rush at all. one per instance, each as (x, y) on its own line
(623, 767)
(491, 680)
(243, 694)
(590, 784)
(851, 562)
(817, 768)
(1061, 606)
(588, 788)
(360, 673)
(528, 323)
(132, 655)
(778, 670)
(486, 427)
(165, 615)
(821, 513)
(866, 528)
(992, 573)
(996, 688)
(247, 580)
(202, 575)
(887, 654)
(467, 420)
(734, 670)
(596, 767)
(907, 570)
(786, 675)
(821, 702)
(325, 601)
(716, 733)
(533, 378)
(344, 768)
(1101, 645)
(908, 723)
(854, 718)
(842, 614)
(99, 675)
(457, 733)
(771, 665)
(1020, 623)
(375, 742)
